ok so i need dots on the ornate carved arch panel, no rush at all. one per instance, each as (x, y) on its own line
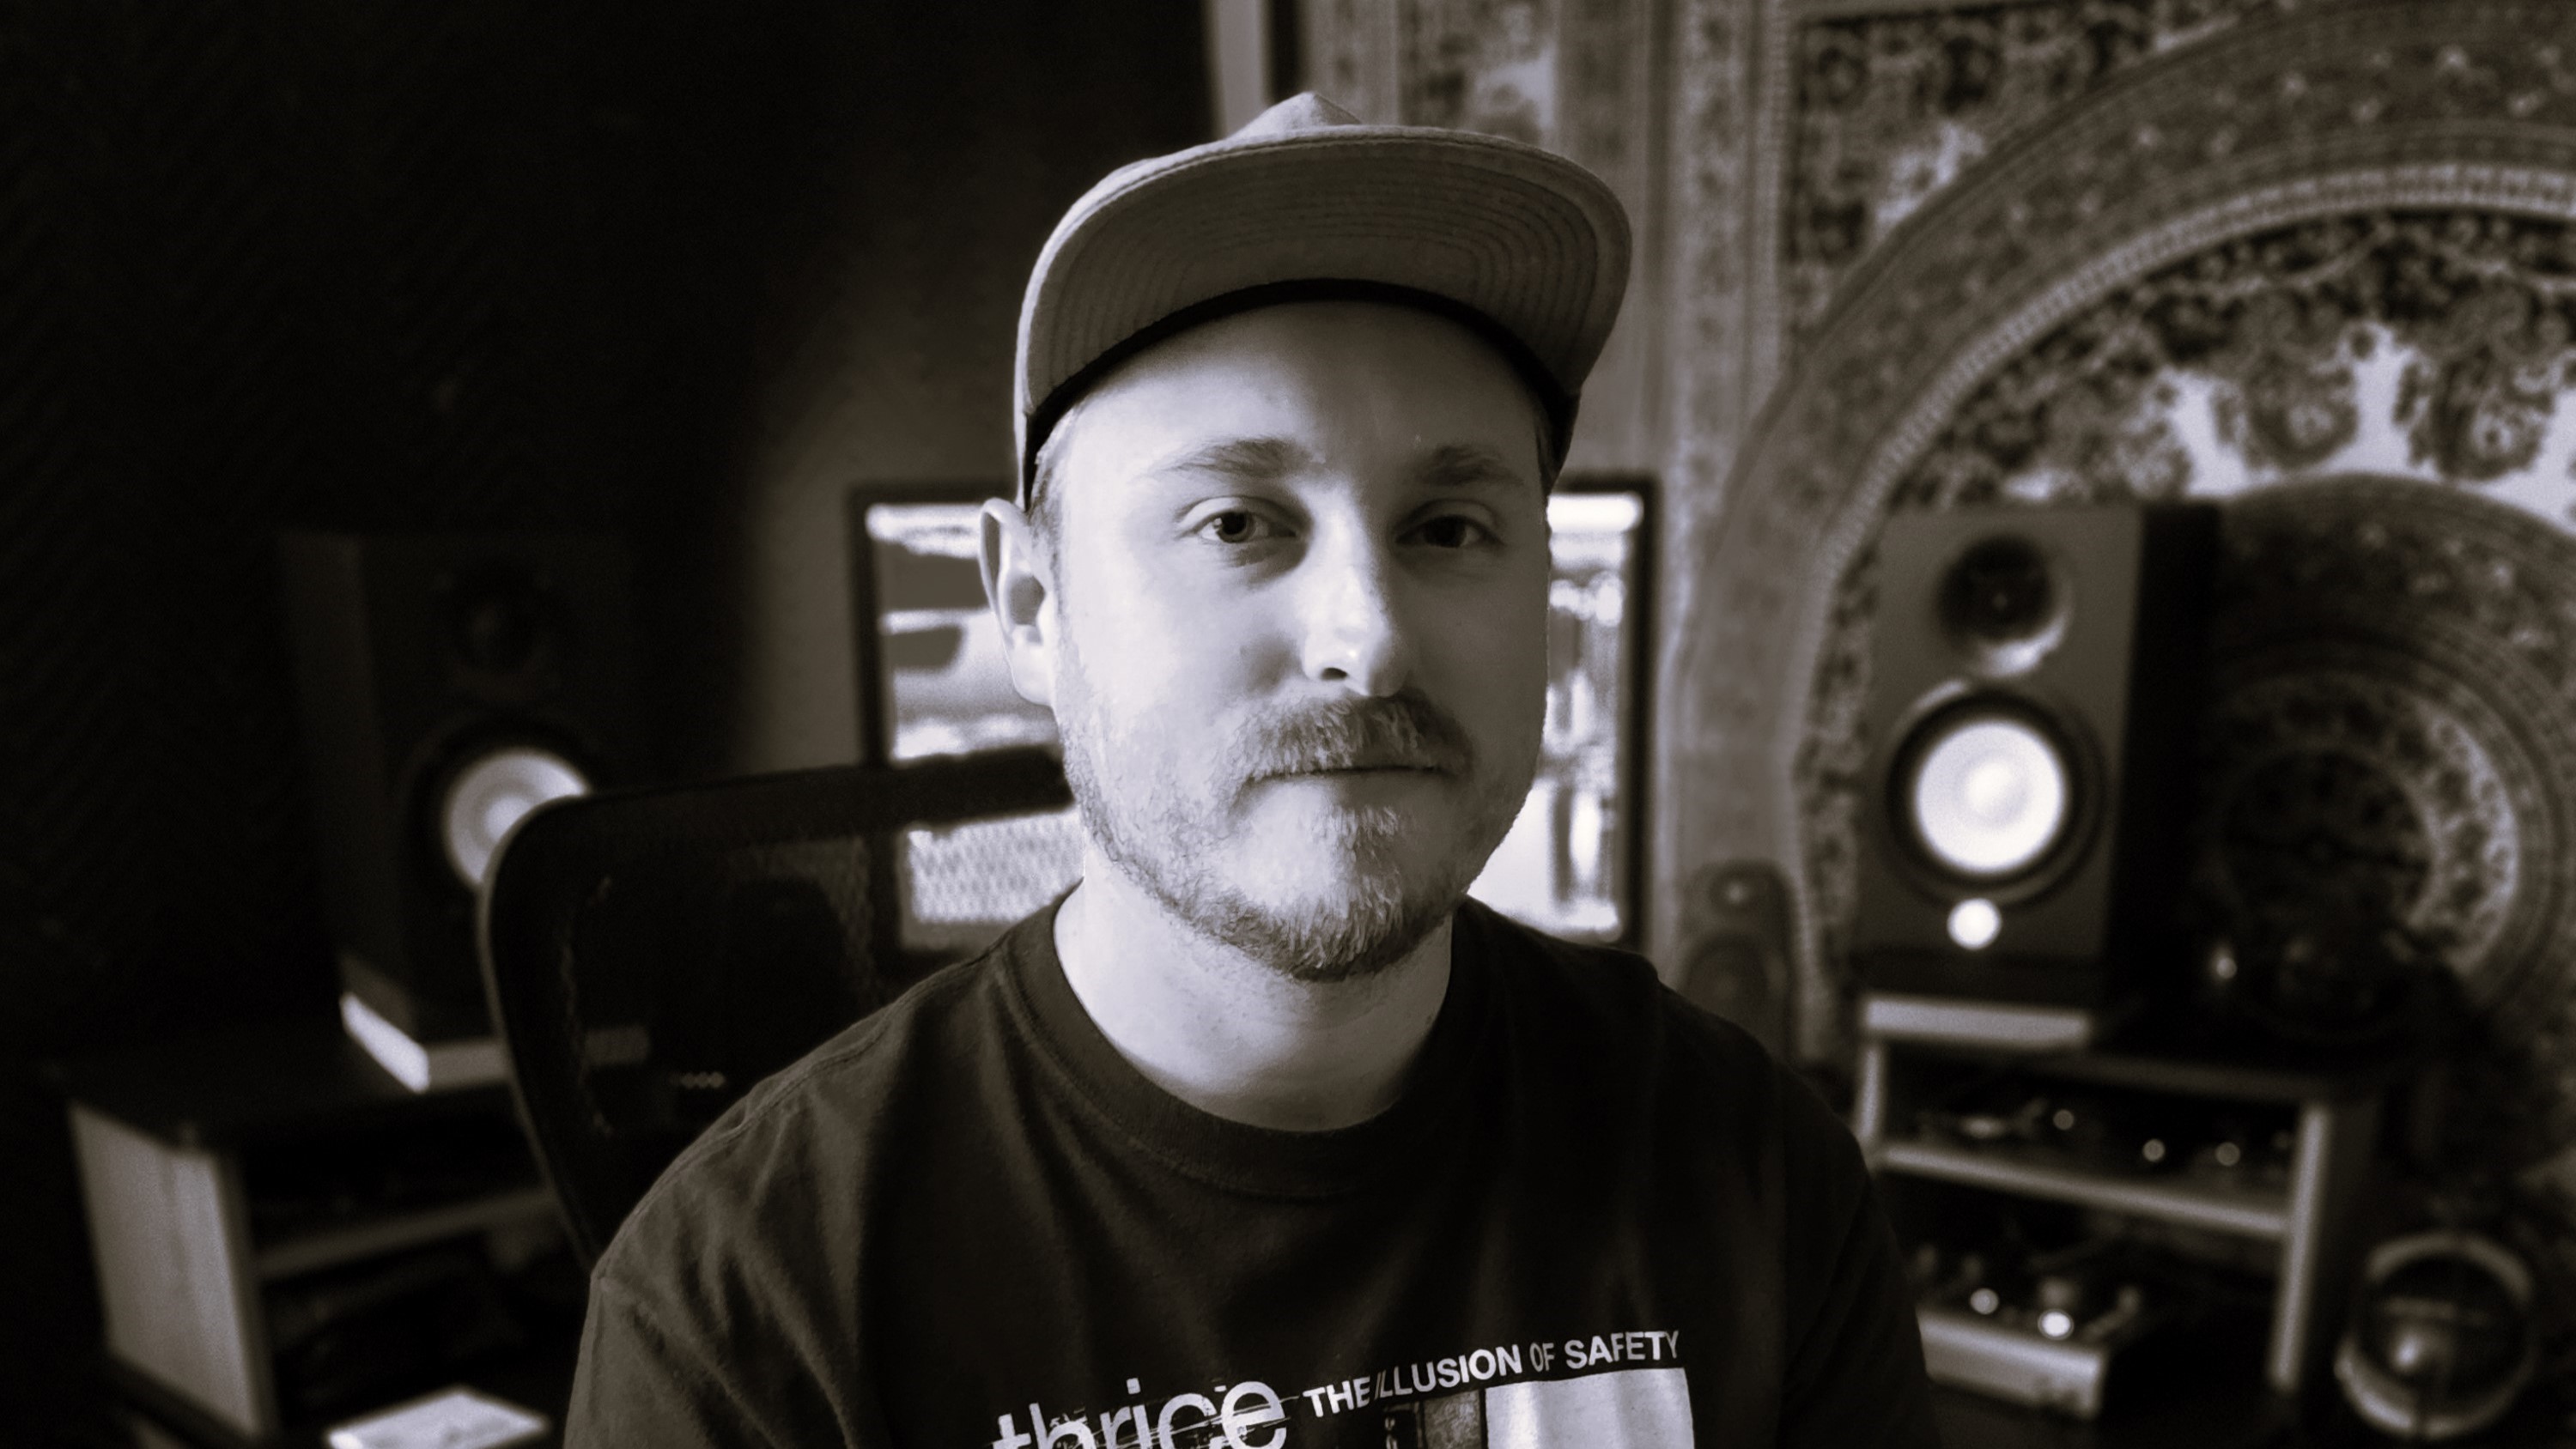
(2325, 271)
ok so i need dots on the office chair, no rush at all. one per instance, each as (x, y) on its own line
(650, 955)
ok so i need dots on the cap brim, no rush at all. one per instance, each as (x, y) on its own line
(1525, 237)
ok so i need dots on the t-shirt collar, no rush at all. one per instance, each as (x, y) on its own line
(1263, 1161)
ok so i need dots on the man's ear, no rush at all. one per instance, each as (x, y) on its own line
(1019, 583)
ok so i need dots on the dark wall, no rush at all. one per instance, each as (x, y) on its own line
(272, 262)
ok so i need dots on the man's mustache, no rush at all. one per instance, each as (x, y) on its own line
(1400, 732)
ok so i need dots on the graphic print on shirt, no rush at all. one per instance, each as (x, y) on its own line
(1607, 1391)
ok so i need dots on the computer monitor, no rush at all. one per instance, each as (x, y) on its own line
(932, 681)
(1568, 866)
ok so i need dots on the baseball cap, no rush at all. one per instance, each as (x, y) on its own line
(1306, 202)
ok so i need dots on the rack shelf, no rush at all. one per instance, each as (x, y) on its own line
(371, 1237)
(217, 1170)
(2336, 1118)
(2199, 1205)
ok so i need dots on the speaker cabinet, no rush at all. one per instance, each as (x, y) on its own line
(1739, 963)
(448, 684)
(2035, 682)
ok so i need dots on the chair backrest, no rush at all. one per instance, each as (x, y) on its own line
(649, 955)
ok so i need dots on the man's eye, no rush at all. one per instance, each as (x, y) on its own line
(1236, 525)
(1452, 531)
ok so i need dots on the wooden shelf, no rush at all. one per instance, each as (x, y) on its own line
(208, 1171)
(368, 1237)
(2285, 1075)
(2306, 1217)
(2200, 1205)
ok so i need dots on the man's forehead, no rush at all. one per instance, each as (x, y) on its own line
(1246, 394)
(1336, 333)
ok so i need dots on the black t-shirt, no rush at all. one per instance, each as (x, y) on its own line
(1598, 1218)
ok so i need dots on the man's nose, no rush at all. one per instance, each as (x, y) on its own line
(1354, 628)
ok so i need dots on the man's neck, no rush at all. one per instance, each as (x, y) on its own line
(1232, 1037)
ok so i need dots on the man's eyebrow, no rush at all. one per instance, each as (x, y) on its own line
(1466, 465)
(1246, 460)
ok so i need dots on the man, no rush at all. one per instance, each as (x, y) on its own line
(1265, 1137)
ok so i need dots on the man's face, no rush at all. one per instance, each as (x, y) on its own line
(1296, 642)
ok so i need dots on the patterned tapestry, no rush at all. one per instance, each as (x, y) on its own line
(1477, 65)
(1482, 65)
(1889, 108)
(2320, 268)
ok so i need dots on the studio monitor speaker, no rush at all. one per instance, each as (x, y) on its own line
(1739, 961)
(2034, 687)
(448, 684)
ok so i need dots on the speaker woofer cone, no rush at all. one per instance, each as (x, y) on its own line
(1986, 794)
(492, 792)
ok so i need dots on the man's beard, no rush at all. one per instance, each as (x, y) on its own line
(1169, 838)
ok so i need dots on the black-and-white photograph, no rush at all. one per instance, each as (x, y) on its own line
(1288, 724)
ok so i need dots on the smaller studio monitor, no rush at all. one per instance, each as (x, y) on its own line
(2035, 682)
(449, 684)
(1739, 963)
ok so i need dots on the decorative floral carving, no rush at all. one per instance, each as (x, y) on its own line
(2480, 401)
(2251, 361)
(1481, 65)
(2292, 403)
(1890, 108)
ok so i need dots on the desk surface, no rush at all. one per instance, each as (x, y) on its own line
(245, 1085)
